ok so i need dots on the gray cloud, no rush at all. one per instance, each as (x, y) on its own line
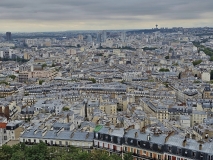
(105, 10)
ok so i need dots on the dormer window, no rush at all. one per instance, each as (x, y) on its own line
(119, 140)
(139, 143)
(151, 145)
(96, 135)
(193, 154)
(170, 149)
(111, 138)
(179, 151)
(125, 140)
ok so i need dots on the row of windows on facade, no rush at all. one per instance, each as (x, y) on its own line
(60, 142)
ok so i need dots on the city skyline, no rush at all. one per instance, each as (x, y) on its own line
(42, 16)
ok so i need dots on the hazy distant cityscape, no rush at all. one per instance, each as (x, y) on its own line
(143, 93)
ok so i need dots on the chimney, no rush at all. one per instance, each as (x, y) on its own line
(200, 147)
(110, 131)
(143, 130)
(136, 134)
(167, 137)
(107, 123)
(187, 135)
(148, 137)
(184, 142)
(193, 136)
(206, 136)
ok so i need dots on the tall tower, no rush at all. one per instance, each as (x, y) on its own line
(99, 37)
(156, 26)
(8, 36)
(104, 36)
(123, 36)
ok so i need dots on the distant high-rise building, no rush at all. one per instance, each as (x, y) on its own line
(98, 37)
(123, 36)
(8, 36)
(89, 38)
(104, 36)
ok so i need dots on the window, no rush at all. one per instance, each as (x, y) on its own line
(5, 137)
(125, 149)
(96, 135)
(179, 151)
(150, 154)
(119, 140)
(138, 151)
(126, 140)
(132, 150)
(111, 138)
(139, 143)
(159, 156)
(170, 149)
(193, 154)
(144, 152)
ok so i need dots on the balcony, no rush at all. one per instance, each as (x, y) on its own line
(108, 149)
(142, 157)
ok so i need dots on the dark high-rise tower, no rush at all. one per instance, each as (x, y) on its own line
(8, 36)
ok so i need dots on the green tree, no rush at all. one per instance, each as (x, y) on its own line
(44, 65)
(18, 155)
(66, 109)
(40, 82)
(4, 82)
(163, 70)
(93, 80)
(123, 81)
(128, 156)
(196, 62)
(167, 57)
(12, 77)
(170, 50)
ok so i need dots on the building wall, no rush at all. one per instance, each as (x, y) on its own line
(205, 76)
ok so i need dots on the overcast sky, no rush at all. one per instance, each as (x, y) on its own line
(62, 15)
